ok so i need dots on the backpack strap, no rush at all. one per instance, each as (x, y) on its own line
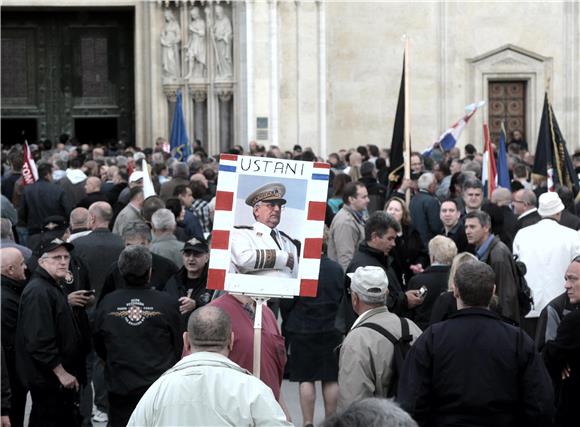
(380, 330)
(405, 335)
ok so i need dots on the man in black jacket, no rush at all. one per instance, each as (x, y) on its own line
(13, 269)
(424, 208)
(138, 233)
(380, 233)
(475, 369)
(136, 333)
(188, 285)
(49, 344)
(43, 199)
(525, 205)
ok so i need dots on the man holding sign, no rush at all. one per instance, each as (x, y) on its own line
(262, 249)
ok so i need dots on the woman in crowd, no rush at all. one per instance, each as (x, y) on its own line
(410, 255)
(335, 202)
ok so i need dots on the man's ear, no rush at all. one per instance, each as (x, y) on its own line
(455, 291)
(231, 344)
(186, 343)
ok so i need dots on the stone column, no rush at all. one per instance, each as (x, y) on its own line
(225, 118)
(199, 96)
(170, 92)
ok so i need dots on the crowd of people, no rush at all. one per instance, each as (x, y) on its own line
(459, 306)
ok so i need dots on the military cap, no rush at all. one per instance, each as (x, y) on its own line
(271, 192)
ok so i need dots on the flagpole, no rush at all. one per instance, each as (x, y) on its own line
(407, 155)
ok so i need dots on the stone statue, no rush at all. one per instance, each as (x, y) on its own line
(170, 39)
(222, 39)
(196, 55)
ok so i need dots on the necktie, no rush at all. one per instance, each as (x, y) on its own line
(273, 234)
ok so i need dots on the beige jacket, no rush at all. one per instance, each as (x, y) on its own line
(366, 357)
(346, 233)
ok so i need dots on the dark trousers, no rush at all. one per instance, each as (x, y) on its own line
(17, 393)
(54, 408)
(121, 406)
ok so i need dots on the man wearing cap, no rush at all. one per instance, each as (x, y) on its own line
(137, 334)
(188, 285)
(365, 355)
(547, 248)
(49, 343)
(262, 248)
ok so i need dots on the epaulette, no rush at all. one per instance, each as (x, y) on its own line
(244, 227)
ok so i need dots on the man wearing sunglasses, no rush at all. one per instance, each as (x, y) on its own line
(262, 248)
(49, 340)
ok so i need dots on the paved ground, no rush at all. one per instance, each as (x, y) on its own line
(289, 392)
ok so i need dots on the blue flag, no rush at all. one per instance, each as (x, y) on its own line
(179, 141)
(503, 176)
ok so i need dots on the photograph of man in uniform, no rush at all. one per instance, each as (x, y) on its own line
(263, 249)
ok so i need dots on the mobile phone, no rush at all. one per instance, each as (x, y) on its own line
(422, 291)
(89, 292)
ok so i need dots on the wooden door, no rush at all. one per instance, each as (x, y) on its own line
(507, 103)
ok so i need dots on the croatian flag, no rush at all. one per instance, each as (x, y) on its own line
(29, 171)
(488, 170)
(450, 137)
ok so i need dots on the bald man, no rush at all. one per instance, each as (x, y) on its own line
(94, 193)
(79, 223)
(13, 270)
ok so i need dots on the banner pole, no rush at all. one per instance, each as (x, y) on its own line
(258, 334)
(407, 135)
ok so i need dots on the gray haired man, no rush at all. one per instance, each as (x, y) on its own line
(365, 355)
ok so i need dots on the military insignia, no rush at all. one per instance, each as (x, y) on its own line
(51, 226)
(135, 312)
(69, 278)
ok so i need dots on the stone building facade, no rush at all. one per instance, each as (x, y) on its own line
(323, 74)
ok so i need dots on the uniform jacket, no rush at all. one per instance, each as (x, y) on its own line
(137, 333)
(208, 389)
(347, 231)
(254, 251)
(177, 287)
(424, 209)
(547, 248)
(475, 370)
(499, 257)
(48, 334)
(365, 357)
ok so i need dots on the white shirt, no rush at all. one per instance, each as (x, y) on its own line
(547, 248)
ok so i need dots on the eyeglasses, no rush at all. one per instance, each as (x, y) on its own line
(518, 201)
(57, 257)
(272, 206)
(193, 254)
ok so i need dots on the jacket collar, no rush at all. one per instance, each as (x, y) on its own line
(206, 358)
(16, 285)
(368, 314)
(42, 273)
(375, 253)
(475, 311)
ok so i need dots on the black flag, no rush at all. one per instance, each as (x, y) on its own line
(552, 159)
(396, 162)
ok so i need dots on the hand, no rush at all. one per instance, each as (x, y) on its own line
(5, 421)
(413, 299)
(67, 380)
(416, 268)
(186, 305)
(290, 262)
(566, 372)
(80, 299)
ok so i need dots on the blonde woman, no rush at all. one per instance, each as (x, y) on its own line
(445, 305)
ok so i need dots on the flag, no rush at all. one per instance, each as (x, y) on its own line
(449, 138)
(396, 158)
(179, 141)
(503, 176)
(29, 171)
(488, 170)
(552, 159)
(148, 189)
